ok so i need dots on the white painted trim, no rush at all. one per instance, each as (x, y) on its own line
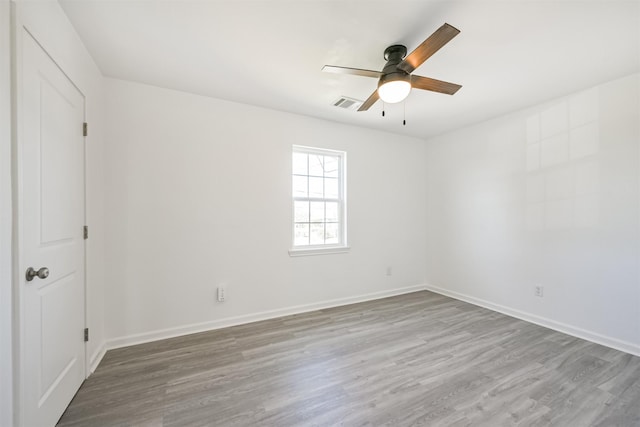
(249, 318)
(594, 337)
(319, 251)
(265, 315)
(96, 357)
(341, 200)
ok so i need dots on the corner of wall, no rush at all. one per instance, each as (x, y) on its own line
(506, 213)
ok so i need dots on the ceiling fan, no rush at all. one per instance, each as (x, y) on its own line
(395, 81)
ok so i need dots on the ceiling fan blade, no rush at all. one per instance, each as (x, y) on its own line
(426, 83)
(370, 101)
(431, 45)
(353, 71)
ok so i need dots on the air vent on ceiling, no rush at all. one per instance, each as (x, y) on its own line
(347, 103)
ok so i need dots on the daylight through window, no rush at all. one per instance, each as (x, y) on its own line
(318, 198)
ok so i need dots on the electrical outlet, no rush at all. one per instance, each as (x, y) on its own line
(388, 271)
(538, 291)
(221, 293)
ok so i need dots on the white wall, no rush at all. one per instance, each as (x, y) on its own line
(46, 21)
(6, 291)
(548, 196)
(198, 195)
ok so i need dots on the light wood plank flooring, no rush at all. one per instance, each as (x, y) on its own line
(415, 359)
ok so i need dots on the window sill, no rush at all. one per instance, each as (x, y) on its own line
(319, 251)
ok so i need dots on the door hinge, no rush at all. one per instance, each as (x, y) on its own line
(86, 334)
(85, 232)
(84, 129)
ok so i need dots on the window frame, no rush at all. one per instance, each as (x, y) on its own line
(341, 246)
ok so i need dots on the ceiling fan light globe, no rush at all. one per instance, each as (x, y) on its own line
(394, 91)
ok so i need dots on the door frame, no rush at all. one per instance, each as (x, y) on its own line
(18, 31)
(6, 220)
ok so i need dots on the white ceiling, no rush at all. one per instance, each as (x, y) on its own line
(269, 53)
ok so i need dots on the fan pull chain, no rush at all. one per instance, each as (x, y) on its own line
(404, 113)
(382, 108)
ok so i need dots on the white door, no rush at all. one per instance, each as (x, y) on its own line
(51, 220)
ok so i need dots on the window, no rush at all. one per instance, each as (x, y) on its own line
(318, 189)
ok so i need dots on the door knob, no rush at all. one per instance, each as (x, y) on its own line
(43, 273)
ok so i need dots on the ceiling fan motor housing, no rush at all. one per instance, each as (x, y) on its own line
(394, 55)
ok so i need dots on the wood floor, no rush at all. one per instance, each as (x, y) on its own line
(415, 359)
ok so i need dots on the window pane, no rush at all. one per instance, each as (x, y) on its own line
(301, 237)
(331, 236)
(317, 197)
(315, 187)
(317, 234)
(301, 212)
(331, 166)
(331, 213)
(300, 186)
(317, 211)
(300, 164)
(316, 165)
(331, 188)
